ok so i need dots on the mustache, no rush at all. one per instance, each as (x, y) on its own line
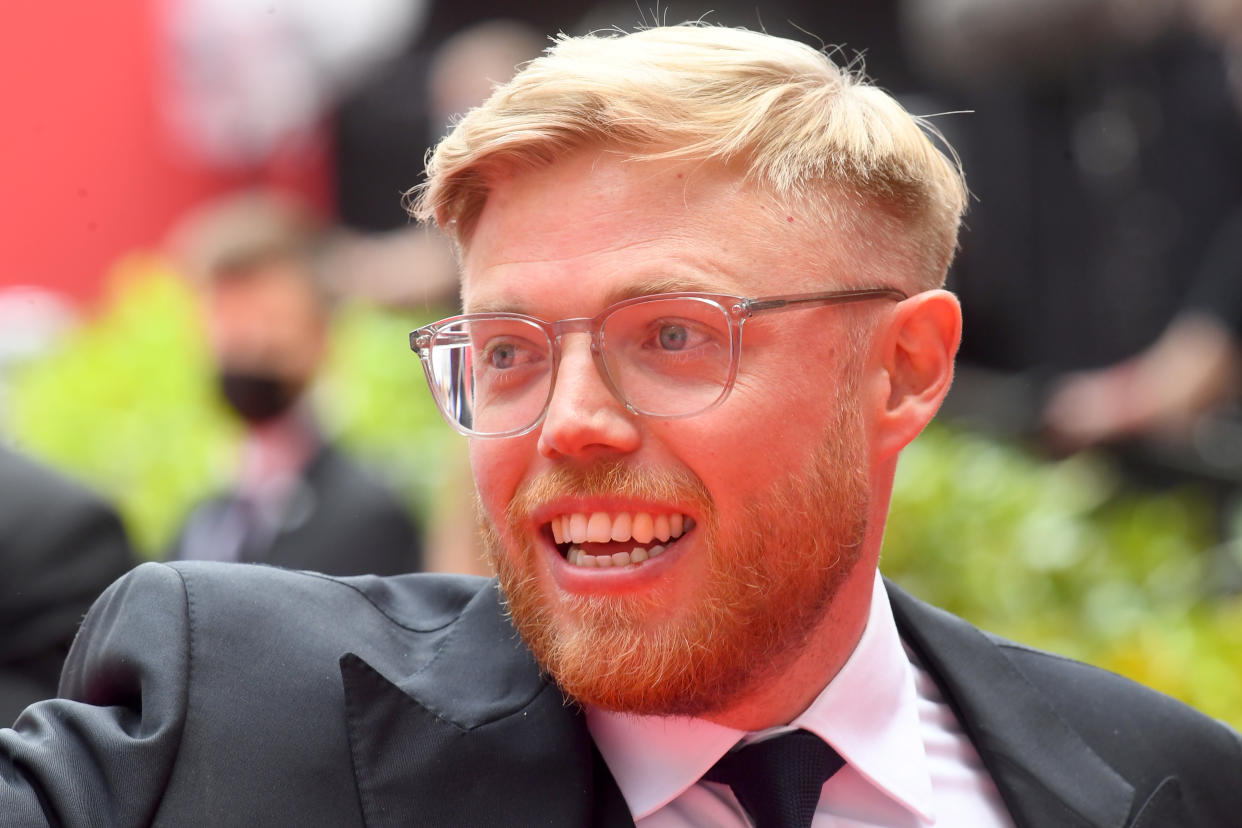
(618, 479)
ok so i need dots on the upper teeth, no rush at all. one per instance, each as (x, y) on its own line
(601, 527)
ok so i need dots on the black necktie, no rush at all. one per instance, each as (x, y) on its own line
(778, 780)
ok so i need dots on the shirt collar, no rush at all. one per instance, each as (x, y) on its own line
(868, 713)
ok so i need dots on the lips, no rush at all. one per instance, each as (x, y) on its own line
(603, 539)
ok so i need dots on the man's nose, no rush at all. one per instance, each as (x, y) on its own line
(584, 417)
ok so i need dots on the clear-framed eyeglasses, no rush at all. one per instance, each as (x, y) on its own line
(666, 355)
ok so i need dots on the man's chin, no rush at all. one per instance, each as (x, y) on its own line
(606, 651)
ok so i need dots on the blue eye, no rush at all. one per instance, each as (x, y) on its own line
(510, 354)
(674, 337)
(503, 356)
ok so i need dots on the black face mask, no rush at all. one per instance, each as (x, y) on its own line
(256, 397)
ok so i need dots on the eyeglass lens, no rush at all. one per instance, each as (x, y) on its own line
(666, 357)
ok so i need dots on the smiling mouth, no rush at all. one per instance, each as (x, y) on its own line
(601, 539)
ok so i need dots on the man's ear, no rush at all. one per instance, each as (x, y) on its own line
(916, 354)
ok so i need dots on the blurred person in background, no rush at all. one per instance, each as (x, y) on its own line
(1102, 266)
(383, 126)
(298, 501)
(1193, 368)
(60, 547)
(379, 249)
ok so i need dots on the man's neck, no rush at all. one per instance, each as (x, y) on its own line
(780, 697)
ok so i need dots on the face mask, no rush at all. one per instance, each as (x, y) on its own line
(257, 398)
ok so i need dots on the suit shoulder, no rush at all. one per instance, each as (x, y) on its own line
(1111, 709)
(419, 602)
(233, 621)
(1086, 682)
(1142, 734)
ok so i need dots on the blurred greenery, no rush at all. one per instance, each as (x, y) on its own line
(123, 402)
(126, 401)
(1057, 555)
(1060, 555)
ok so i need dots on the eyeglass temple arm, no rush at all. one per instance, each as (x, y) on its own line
(838, 297)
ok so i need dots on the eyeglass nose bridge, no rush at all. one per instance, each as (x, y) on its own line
(593, 327)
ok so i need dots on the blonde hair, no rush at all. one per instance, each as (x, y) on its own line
(804, 129)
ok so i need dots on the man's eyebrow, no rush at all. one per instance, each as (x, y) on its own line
(662, 284)
(643, 287)
(495, 306)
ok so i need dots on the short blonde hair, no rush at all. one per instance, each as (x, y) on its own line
(802, 128)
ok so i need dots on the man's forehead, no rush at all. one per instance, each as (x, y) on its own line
(613, 181)
(640, 227)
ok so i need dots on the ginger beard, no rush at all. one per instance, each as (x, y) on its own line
(772, 574)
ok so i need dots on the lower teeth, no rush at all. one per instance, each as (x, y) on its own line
(637, 555)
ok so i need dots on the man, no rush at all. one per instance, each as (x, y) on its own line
(298, 501)
(60, 547)
(685, 524)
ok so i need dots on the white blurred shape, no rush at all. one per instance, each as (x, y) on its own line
(244, 76)
(31, 320)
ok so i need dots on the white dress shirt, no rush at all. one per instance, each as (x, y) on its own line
(908, 760)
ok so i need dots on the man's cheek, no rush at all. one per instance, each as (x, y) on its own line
(484, 467)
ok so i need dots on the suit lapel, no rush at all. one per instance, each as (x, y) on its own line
(478, 736)
(474, 737)
(1046, 773)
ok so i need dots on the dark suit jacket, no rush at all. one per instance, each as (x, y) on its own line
(60, 547)
(340, 521)
(227, 695)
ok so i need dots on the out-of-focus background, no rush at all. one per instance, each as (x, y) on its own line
(1080, 491)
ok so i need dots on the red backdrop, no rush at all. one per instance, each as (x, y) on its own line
(87, 170)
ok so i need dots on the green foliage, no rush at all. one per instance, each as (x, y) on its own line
(127, 403)
(373, 397)
(1057, 555)
(124, 402)
(1061, 556)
